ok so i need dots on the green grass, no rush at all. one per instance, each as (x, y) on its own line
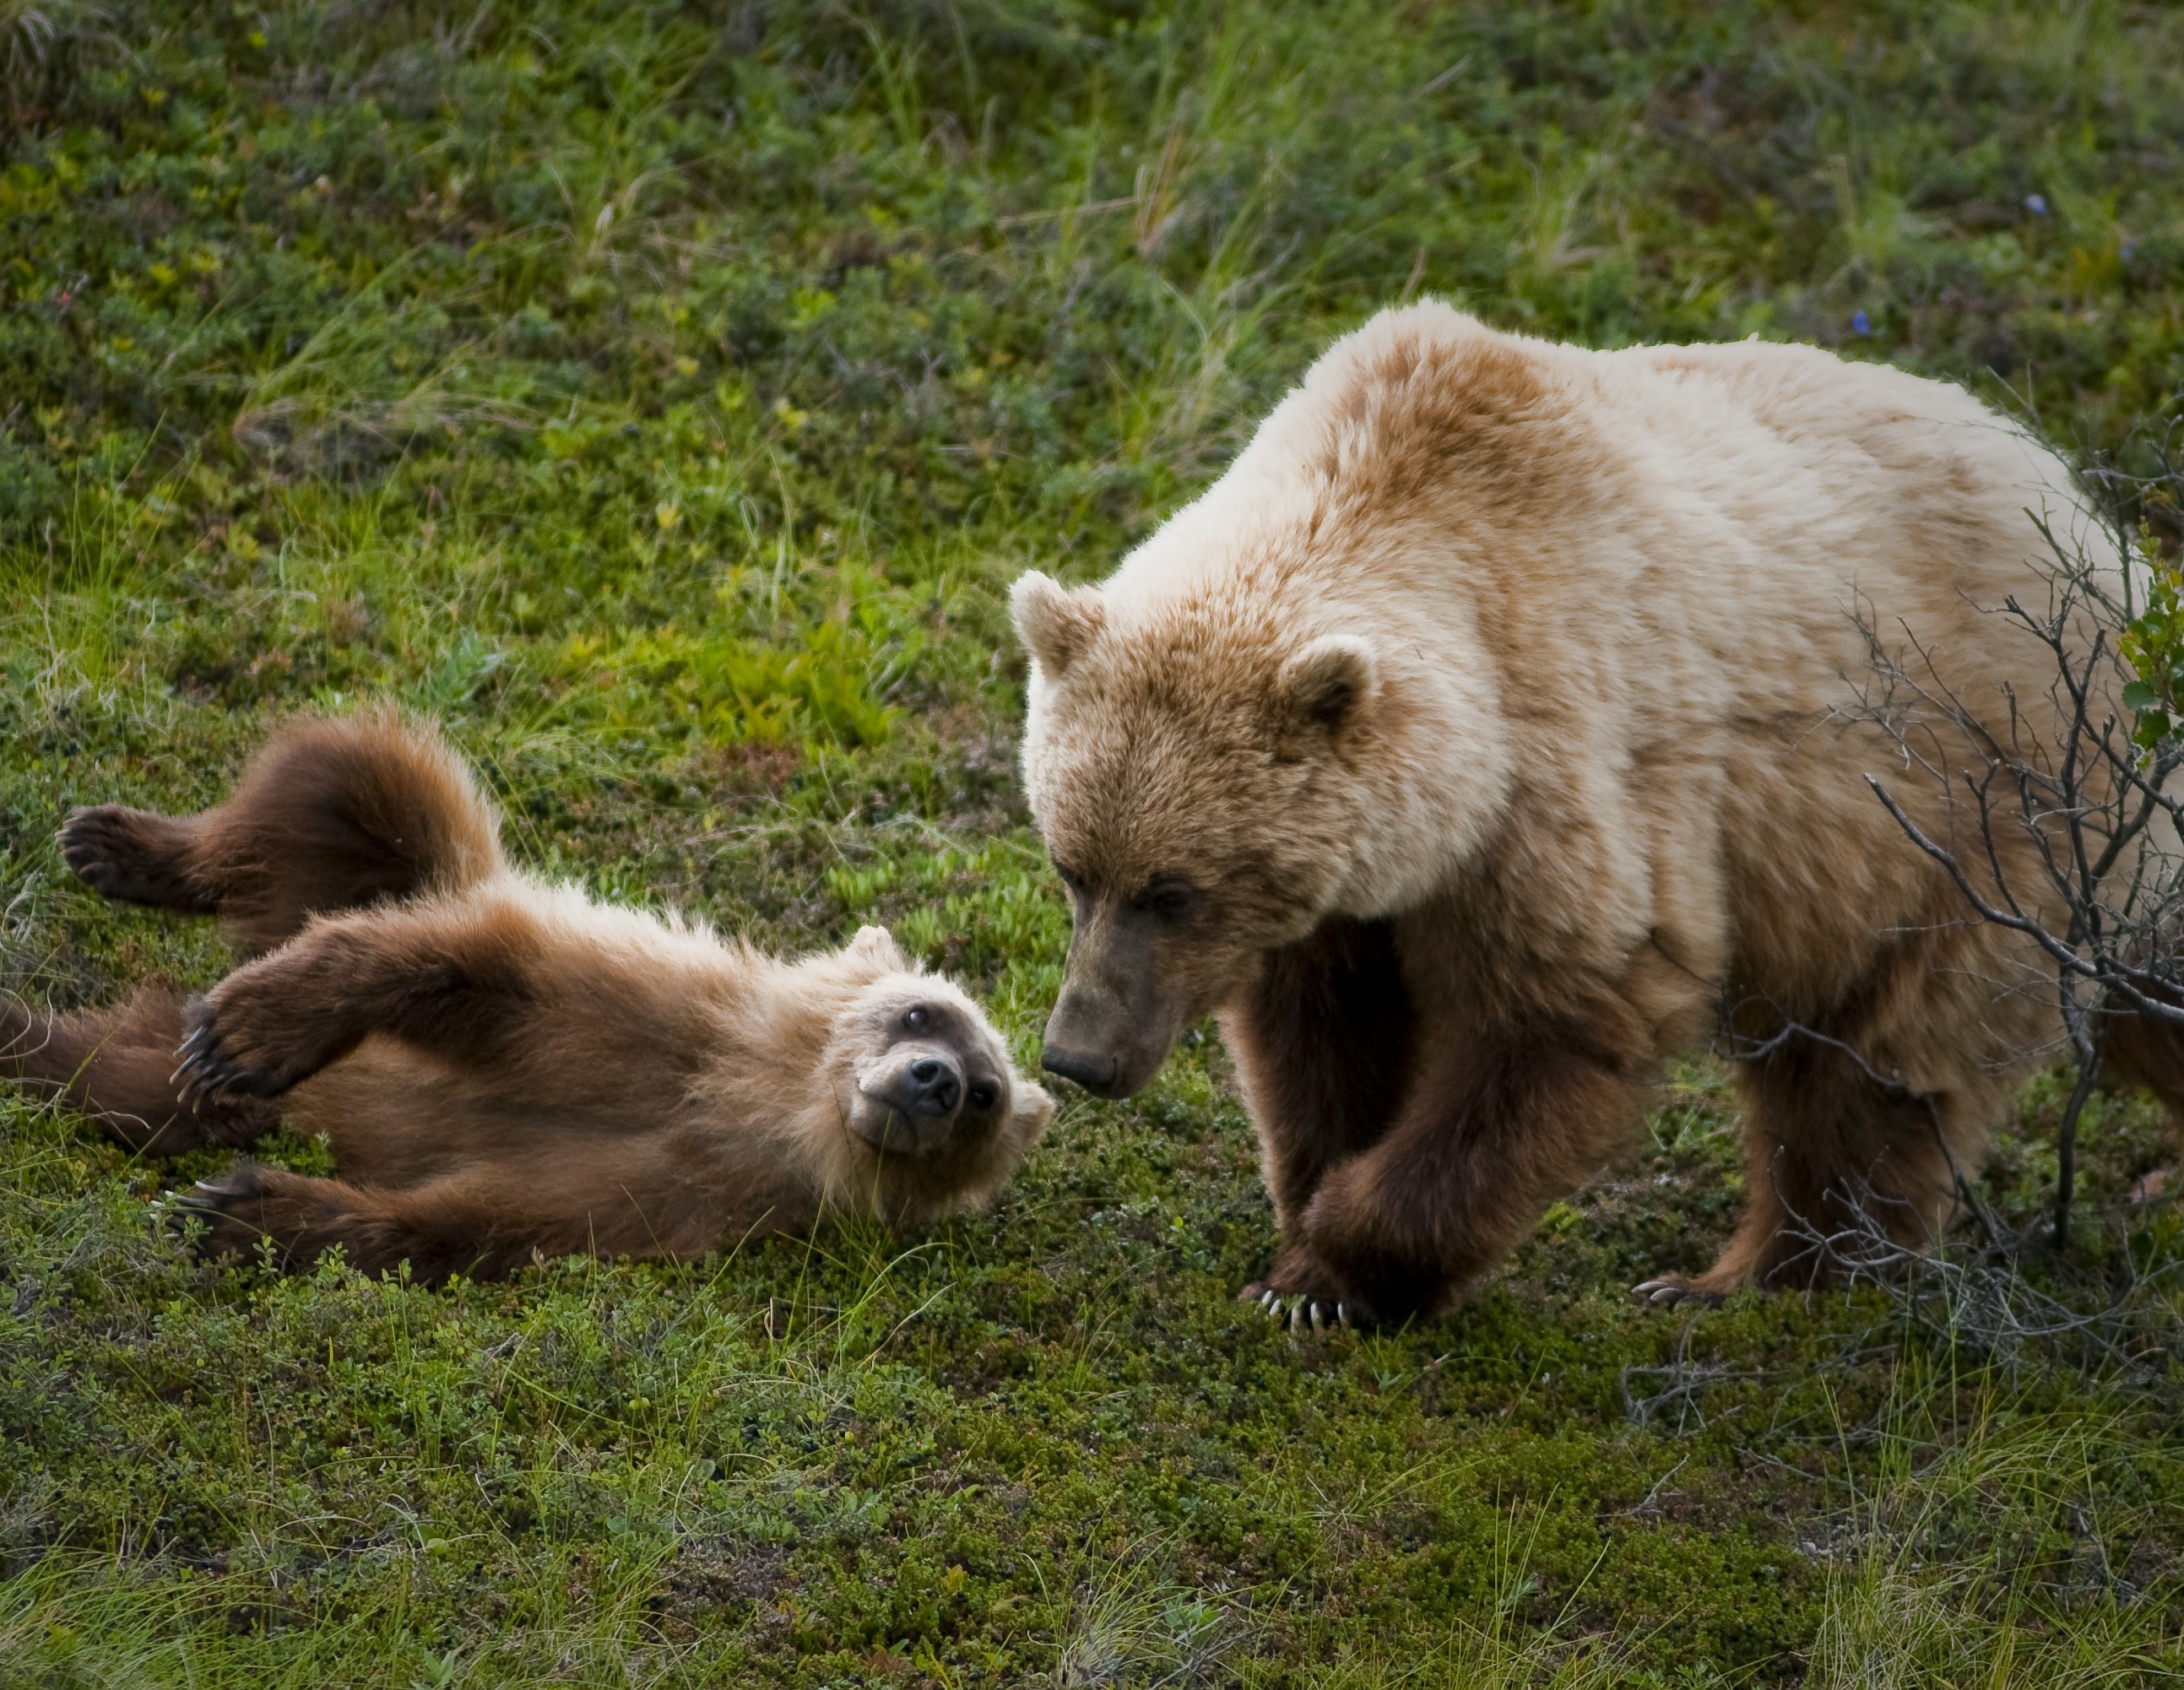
(665, 395)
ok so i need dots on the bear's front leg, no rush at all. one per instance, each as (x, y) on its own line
(1499, 1122)
(1323, 1046)
(458, 979)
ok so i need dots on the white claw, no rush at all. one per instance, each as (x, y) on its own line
(1318, 1316)
(1296, 1315)
(1269, 1303)
(1342, 1314)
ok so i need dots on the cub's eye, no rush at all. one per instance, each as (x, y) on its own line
(917, 1019)
(983, 1096)
(1070, 877)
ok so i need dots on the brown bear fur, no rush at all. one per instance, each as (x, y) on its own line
(1484, 736)
(504, 1068)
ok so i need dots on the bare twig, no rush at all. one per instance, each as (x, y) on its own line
(2061, 827)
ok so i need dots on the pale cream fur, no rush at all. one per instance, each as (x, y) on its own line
(1603, 605)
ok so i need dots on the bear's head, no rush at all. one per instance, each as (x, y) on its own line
(936, 1117)
(1200, 774)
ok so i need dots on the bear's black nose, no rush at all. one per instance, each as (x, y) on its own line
(1097, 1074)
(933, 1088)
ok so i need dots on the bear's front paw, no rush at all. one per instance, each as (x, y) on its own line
(235, 1042)
(1303, 1303)
(1675, 1290)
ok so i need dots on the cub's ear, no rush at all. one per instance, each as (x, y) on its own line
(1325, 690)
(876, 944)
(1033, 1111)
(1055, 624)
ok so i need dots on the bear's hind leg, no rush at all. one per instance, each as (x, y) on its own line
(1837, 1158)
(118, 1066)
(139, 856)
(329, 816)
(628, 1199)
(2142, 1050)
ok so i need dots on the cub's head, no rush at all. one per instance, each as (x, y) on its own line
(1199, 778)
(935, 1116)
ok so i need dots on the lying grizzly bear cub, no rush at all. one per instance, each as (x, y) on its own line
(504, 1067)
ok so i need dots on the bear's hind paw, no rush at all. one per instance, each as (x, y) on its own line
(231, 1208)
(135, 856)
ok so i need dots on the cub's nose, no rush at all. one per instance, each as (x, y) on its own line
(931, 1089)
(1097, 1074)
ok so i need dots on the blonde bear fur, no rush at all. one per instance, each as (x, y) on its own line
(505, 1069)
(1482, 737)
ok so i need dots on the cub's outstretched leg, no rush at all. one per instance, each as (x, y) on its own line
(118, 1064)
(330, 814)
(630, 1197)
(1323, 1046)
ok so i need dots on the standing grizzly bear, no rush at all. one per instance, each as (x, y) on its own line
(1479, 739)
(504, 1067)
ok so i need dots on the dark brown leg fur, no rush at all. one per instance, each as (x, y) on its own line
(626, 1199)
(1826, 1148)
(329, 816)
(1827, 1144)
(1323, 1043)
(117, 1064)
(2144, 1051)
(1499, 1122)
(460, 983)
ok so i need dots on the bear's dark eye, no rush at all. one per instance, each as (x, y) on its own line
(1170, 900)
(917, 1019)
(983, 1096)
(1070, 877)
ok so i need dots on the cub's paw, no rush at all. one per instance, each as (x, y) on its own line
(1675, 1290)
(241, 1039)
(135, 856)
(236, 1208)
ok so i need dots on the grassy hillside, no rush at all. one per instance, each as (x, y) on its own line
(664, 394)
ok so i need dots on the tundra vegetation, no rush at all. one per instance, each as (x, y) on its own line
(663, 395)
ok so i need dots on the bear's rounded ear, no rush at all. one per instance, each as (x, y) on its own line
(1055, 624)
(1324, 690)
(1033, 1114)
(876, 945)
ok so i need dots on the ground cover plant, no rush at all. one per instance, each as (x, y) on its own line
(663, 396)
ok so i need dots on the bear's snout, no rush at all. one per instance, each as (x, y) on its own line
(1097, 1074)
(921, 1086)
(910, 1103)
(1112, 1025)
(929, 1088)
